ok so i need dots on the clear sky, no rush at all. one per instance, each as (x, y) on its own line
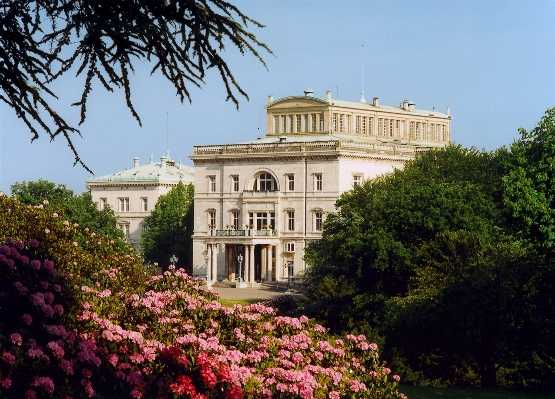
(492, 62)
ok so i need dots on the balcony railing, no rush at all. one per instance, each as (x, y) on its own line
(243, 233)
(228, 233)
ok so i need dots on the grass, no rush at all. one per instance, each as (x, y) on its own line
(414, 392)
(230, 302)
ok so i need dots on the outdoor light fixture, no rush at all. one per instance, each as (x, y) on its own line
(240, 260)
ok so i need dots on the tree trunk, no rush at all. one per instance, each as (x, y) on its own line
(487, 373)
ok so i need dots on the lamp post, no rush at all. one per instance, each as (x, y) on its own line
(289, 266)
(173, 259)
(206, 258)
(240, 260)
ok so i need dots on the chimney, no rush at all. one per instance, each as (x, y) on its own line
(328, 95)
(309, 93)
(405, 105)
(135, 162)
(163, 162)
(375, 102)
(270, 98)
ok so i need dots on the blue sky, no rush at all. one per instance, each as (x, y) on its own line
(491, 62)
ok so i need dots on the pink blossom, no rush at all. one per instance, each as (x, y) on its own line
(8, 357)
(208, 376)
(16, 339)
(113, 359)
(334, 395)
(396, 378)
(235, 392)
(373, 347)
(6, 382)
(136, 358)
(19, 244)
(56, 349)
(30, 394)
(33, 242)
(66, 366)
(136, 394)
(44, 382)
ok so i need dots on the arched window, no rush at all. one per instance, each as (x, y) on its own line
(265, 182)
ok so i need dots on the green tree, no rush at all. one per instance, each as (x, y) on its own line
(529, 189)
(41, 40)
(379, 225)
(468, 310)
(78, 209)
(170, 227)
(371, 252)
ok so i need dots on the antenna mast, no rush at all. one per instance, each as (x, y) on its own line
(362, 99)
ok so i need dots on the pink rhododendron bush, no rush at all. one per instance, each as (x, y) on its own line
(63, 335)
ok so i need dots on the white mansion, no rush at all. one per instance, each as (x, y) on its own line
(133, 192)
(266, 199)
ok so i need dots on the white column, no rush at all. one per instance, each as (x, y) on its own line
(270, 263)
(245, 271)
(251, 262)
(214, 260)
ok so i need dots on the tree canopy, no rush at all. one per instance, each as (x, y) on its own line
(433, 250)
(42, 40)
(78, 209)
(170, 227)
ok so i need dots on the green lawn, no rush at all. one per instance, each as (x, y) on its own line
(229, 302)
(472, 393)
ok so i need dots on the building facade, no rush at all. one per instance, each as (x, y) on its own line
(266, 199)
(132, 193)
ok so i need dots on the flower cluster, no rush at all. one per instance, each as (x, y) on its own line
(111, 329)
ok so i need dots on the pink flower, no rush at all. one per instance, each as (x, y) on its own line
(136, 358)
(30, 394)
(16, 339)
(35, 264)
(5, 382)
(208, 376)
(234, 393)
(33, 242)
(373, 347)
(183, 384)
(44, 382)
(334, 395)
(8, 357)
(113, 359)
(396, 378)
(136, 394)
(56, 349)
(66, 366)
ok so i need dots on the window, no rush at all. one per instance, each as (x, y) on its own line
(235, 183)
(402, 133)
(370, 122)
(318, 221)
(265, 182)
(298, 123)
(313, 123)
(290, 182)
(125, 228)
(235, 220)
(305, 124)
(318, 182)
(322, 122)
(211, 219)
(348, 123)
(357, 180)
(380, 123)
(357, 124)
(102, 203)
(411, 130)
(124, 204)
(291, 220)
(417, 130)
(363, 125)
(212, 184)
(276, 124)
(144, 204)
(145, 227)
(284, 124)
(396, 128)
(391, 128)
(341, 122)
(290, 127)
(334, 122)
(431, 131)
(385, 125)
(290, 246)
(442, 132)
(262, 220)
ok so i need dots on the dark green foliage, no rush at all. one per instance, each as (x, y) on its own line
(41, 40)
(427, 260)
(170, 227)
(78, 209)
